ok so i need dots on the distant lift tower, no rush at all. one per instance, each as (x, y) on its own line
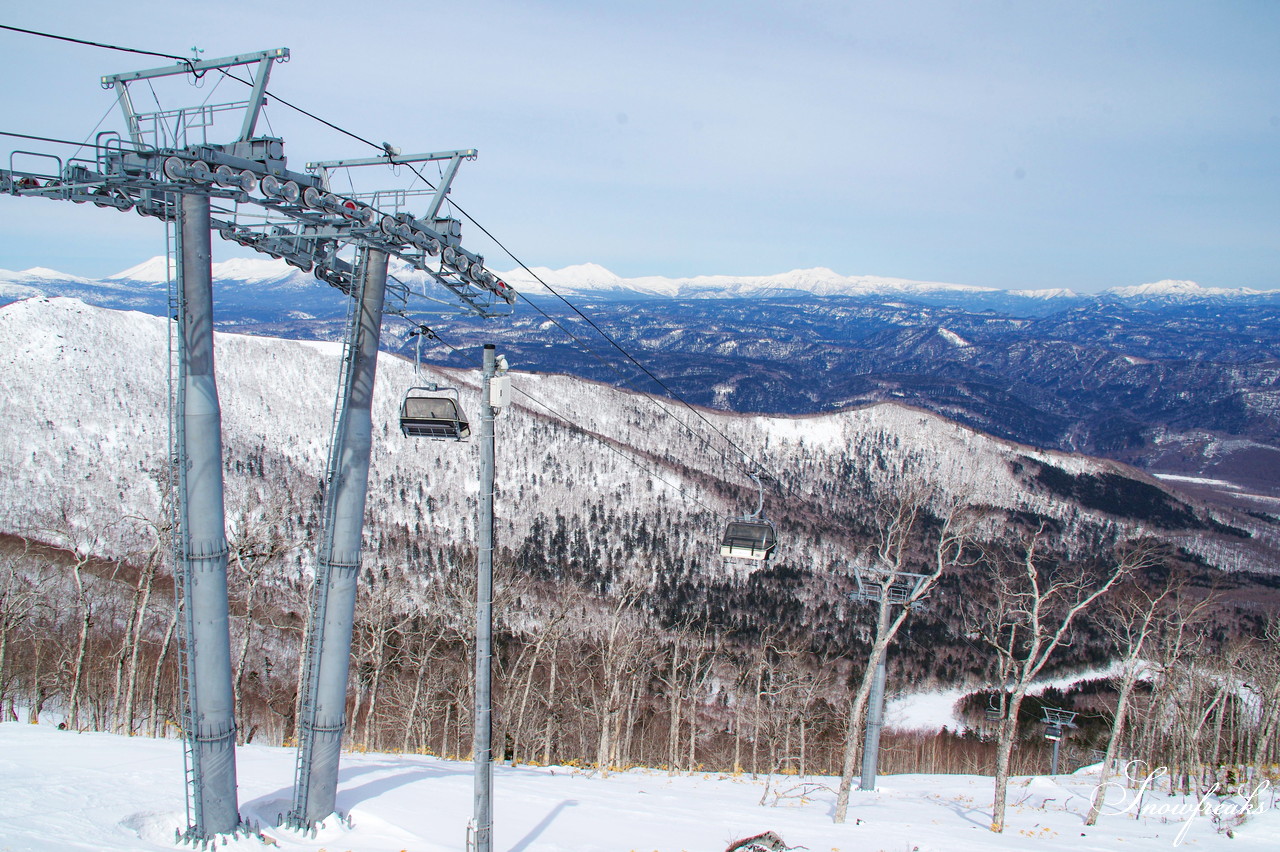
(885, 586)
(167, 167)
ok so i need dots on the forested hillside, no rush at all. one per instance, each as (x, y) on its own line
(623, 634)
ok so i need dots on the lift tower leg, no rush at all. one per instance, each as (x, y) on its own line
(483, 733)
(875, 721)
(211, 726)
(324, 701)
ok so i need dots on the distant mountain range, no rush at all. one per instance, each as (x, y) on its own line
(1179, 379)
(275, 277)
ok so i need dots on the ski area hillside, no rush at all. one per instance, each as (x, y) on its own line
(85, 425)
(1172, 377)
(601, 489)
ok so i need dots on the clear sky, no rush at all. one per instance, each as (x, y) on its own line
(1007, 144)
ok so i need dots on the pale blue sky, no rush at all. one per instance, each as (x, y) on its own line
(1006, 144)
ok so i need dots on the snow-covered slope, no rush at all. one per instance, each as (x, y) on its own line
(85, 421)
(79, 792)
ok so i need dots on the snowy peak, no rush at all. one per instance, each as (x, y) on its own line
(149, 272)
(1050, 293)
(237, 269)
(593, 278)
(252, 270)
(39, 275)
(1172, 289)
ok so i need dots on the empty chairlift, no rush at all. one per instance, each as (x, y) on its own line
(751, 536)
(433, 412)
(430, 411)
(748, 538)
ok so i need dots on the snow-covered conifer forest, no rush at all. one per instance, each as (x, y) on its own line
(623, 637)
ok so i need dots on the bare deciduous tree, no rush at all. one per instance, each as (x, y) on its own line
(905, 541)
(1035, 601)
(1132, 618)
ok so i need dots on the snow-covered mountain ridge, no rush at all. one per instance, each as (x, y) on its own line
(85, 424)
(591, 278)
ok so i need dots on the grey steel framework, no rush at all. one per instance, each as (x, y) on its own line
(165, 166)
(323, 705)
(885, 587)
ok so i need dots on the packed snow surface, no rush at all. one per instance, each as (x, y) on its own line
(70, 791)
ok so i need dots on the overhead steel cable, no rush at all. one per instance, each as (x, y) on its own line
(190, 63)
(622, 377)
(53, 140)
(601, 438)
(754, 466)
(311, 115)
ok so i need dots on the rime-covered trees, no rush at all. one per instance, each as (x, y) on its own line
(1036, 598)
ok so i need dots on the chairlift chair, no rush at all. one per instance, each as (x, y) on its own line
(994, 713)
(433, 412)
(751, 536)
(430, 411)
(748, 538)
(1056, 722)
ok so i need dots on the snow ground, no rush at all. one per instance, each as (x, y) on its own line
(70, 792)
(935, 710)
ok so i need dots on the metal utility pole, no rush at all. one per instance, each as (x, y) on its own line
(494, 395)
(324, 701)
(875, 721)
(210, 724)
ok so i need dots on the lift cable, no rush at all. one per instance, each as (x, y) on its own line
(607, 444)
(613, 342)
(755, 466)
(623, 377)
(53, 140)
(190, 63)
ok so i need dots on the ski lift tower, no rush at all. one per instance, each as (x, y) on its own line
(1056, 724)
(887, 587)
(169, 166)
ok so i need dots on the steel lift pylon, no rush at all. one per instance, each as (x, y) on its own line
(166, 166)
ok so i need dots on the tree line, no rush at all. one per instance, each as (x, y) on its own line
(603, 665)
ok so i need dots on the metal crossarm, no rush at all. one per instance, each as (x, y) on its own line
(874, 584)
(263, 59)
